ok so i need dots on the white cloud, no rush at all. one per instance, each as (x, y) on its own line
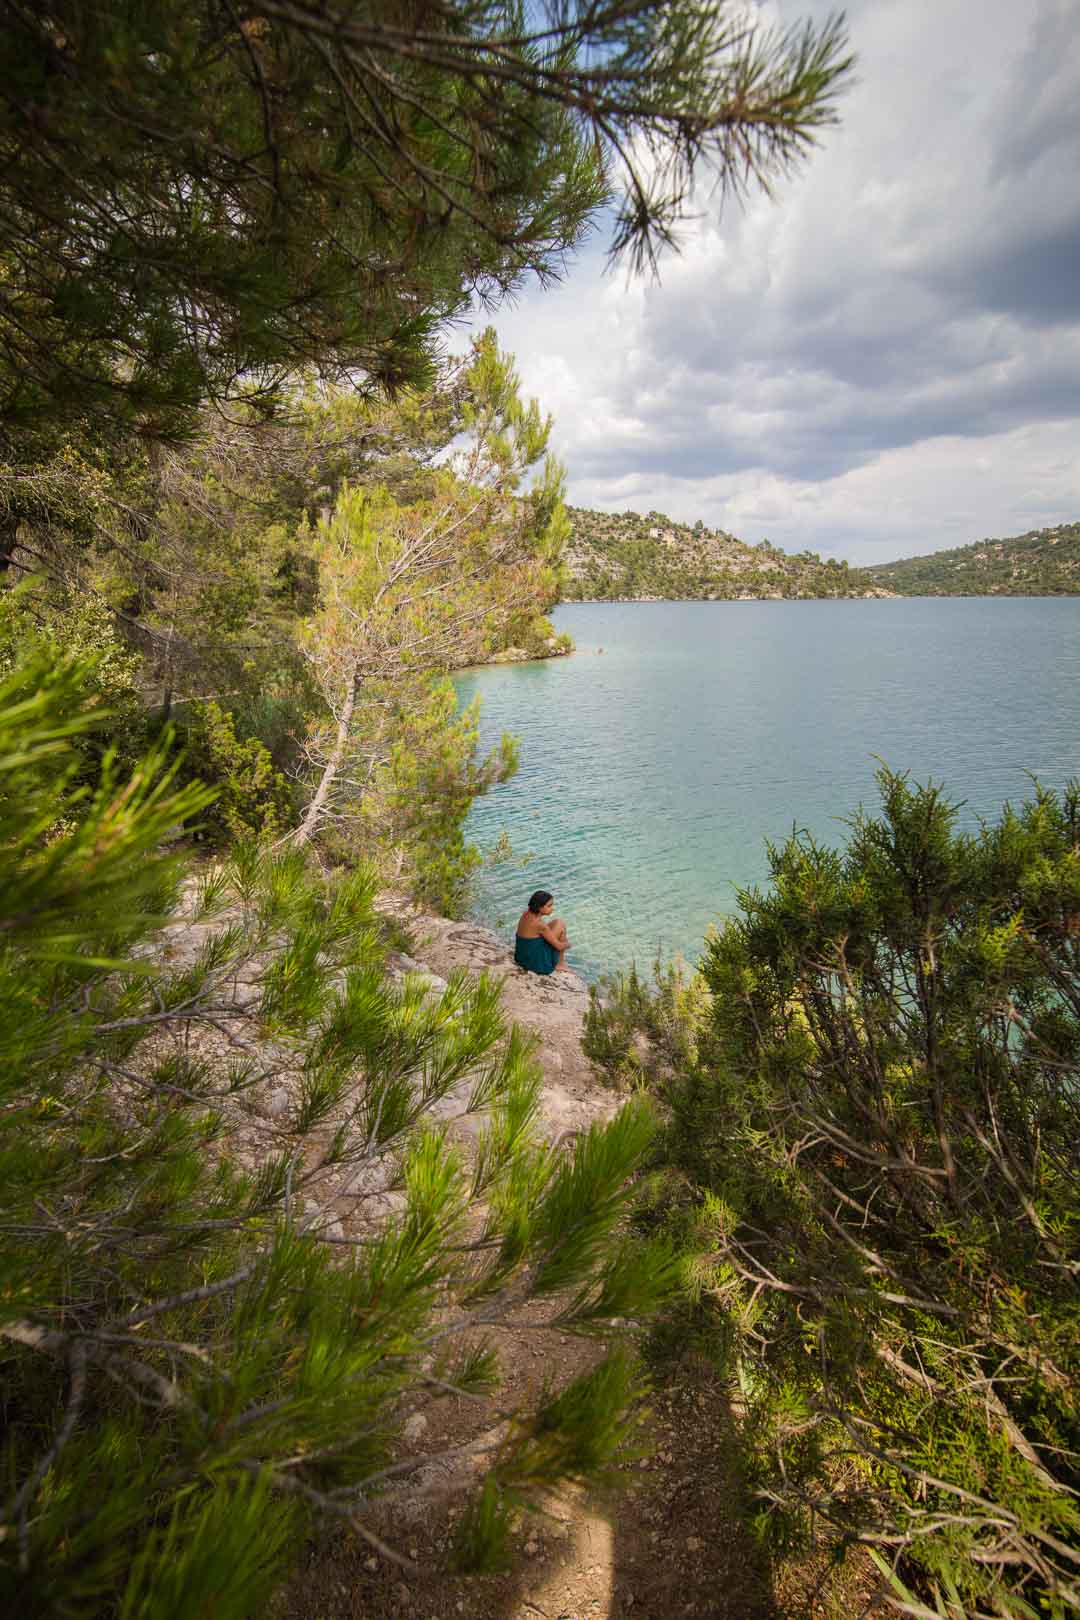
(882, 362)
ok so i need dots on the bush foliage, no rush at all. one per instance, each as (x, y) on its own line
(252, 798)
(241, 1242)
(639, 1030)
(873, 1162)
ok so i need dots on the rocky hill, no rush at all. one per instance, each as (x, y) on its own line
(614, 556)
(1043, 562)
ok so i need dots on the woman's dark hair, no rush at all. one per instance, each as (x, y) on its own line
(538, 901)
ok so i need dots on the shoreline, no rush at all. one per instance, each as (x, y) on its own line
(611, 601)
(872, 596)
(515, 655)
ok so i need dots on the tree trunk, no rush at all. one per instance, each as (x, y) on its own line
(306, 829)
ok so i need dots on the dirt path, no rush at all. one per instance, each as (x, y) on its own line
(673, 1541)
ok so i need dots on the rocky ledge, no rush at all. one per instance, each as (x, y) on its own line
(553, 1007)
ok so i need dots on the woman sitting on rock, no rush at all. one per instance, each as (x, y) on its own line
(541, 939)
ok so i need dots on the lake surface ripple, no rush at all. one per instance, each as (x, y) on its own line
(653, 772)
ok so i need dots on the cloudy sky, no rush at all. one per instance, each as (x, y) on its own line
(885, 360)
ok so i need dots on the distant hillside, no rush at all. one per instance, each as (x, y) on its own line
(1044, 562)
(622, 555)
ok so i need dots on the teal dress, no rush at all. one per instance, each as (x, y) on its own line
(537, 955)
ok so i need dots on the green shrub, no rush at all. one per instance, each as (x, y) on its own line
(34, 628)
(210, 1097)
(608, 1033)
(253, 798)
(636, 1030)
(882, 1127)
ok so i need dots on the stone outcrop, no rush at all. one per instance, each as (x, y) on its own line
(338, 1202)
(553, 1007)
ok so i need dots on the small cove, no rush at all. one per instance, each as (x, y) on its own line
(653, 772)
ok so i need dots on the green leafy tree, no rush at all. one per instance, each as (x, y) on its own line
(241, 1239)
(424, 778)
(201, 199)
(881, 1130)
(196, 550)
(411, 590)
(35, 629)
(252, 798)
(207, 563)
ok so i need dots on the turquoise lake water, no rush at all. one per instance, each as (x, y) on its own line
(652, 772)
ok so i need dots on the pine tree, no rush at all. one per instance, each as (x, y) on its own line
(882, 1128)
(409, 591)
(220, 570)
(240, 1240)
(200, 199)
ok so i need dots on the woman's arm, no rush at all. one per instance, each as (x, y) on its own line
(555, 936)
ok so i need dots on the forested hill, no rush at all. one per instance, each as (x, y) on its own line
(626, 556)
(1043, 562)
(620, 555)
